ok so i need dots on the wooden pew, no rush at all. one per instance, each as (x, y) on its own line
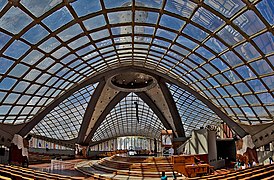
(14, 175)
(30, 173)
(26, 173)
(4, 178)
(261, 175)
(257, 172)
(269, 178)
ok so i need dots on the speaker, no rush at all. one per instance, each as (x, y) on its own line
(267, 147)
(29, 136)
(2, 151)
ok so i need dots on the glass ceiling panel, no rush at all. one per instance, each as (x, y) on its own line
(70, 32)
(215, 45)
(266, 8)
(35, 34)
(226, 7)
(5, 65)
(265, 42)
(33, 57)
(171, 22)
(249, 22)
(49, 45)
(219, 48)
(85, 7)
(113, 4)
(120, 17)
(3, 3)
(122, 120)
(64, 121)
(230, 35)
(38, 7)
(4, 39)
(207, 19)
(149, 3)
(182, 7)
(195, 32)
(95, 22)
(58, 18)
(14, 20)
(16, 49)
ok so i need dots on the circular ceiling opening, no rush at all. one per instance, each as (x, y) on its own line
(132, 81)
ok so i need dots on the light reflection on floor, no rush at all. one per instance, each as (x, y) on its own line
(59, 167)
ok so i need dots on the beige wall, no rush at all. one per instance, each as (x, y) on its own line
(202, 141)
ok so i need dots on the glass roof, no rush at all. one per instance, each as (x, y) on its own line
(224, 50)
(64, 121)
(122, 120)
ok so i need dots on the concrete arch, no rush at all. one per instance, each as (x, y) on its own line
(100, 77)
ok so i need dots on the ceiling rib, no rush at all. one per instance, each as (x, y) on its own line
(89, 111)
(172, 108)
(118, 97)
(155, 109)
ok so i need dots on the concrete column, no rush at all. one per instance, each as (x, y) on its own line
(212, 146)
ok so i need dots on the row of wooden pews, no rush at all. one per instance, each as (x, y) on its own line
(4, 178)
(20, 173)
(262, 173)
(139, 166)
(153, 166)
(148, 166)
(258, 172)
(269, 178)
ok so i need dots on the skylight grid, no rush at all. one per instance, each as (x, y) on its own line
(224, 51)
(64, 120)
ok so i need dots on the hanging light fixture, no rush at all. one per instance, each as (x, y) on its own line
(137, 115)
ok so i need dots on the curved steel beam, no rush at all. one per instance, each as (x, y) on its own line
(106, 111)
(173, 109)
(231, 123)
(106, 96)
(99, 76)
(31, 124)
(89, 111)
(154, 108)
